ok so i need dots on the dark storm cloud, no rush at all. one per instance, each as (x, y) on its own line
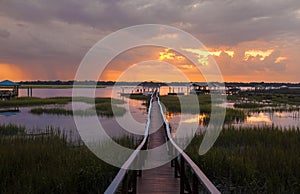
(229, 21)
(4, 33)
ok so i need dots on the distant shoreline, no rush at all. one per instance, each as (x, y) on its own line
(101, 84)
(59, 86)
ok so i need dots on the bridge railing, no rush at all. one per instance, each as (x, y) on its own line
(126, 179)
(183, 161)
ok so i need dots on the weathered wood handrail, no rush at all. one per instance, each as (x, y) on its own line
(124, 178)
(198, 175)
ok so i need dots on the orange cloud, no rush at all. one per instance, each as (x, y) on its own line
(166, 54)
(280, 59)
(215, 53)
(229, 52)
(202, 55)
(259, 53)
(241, 63)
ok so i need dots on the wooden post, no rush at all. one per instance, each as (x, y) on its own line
(182, 175)
(134, 182)
(176, 167)
(125, 184)
(195, 184)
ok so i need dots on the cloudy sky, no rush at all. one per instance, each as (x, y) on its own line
(250, 40)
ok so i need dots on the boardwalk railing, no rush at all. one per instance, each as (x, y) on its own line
(181, 162)
(125, 180)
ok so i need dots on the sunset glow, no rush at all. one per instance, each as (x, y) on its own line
(258, 53)
(246, 47)
(230, 53)
(202, 55)
(280, 59)
(211, 88)
(261, 117)
(10, 72)
(166, 55)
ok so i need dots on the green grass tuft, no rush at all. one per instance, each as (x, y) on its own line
(252, 160)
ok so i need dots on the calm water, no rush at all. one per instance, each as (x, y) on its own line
(138, 112)
(38, 123)
(282, 119)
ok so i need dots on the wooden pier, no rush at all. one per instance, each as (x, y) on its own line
(8, 89)
(161, 179)
(169, 178)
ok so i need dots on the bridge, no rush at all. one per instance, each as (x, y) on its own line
(180, 175)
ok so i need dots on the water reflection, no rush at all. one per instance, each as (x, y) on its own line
(40, 123)
(199, 119)
(187, 121)
(281, 119)
(259, 118)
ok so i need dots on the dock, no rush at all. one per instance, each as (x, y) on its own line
(171, 177)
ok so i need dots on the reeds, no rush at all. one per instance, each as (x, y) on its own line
(11, 129)
(48, 163)
(34, 101)
(103, 109)
(252, 160)
(250, 105)
(274, 98)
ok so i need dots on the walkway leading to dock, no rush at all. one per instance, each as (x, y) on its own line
(181, 175)
(161, 179)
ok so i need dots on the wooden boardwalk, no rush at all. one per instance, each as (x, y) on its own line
(160, 179)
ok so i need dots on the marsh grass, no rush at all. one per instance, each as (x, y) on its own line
(274, 109)
(275, 98)
(173, 105)
(138, 97)
(103, 109)
(107, 109)
(103, 106)
(10, 129)
(34, 101)
(53, 111)
(183, 105)
(252, 160)
(251, 105)
(48, 163)
(270, 108)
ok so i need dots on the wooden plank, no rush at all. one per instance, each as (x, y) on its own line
(160, 179)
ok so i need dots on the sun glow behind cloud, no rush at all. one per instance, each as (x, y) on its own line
(202, 55)
(229, 52)
(49, 47)
(153, 70)
(280, 59)
(258, 53)
(166, 54)
(11, 72)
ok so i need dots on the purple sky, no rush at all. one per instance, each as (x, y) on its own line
(47, 39)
